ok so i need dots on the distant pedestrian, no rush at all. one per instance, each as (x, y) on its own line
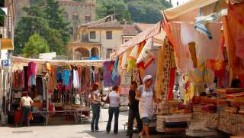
(95, 104)
(145, 95)
(25, 103)
(114, 101)
(133, 110)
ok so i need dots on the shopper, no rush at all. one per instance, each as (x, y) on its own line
(114, 101)
(133, 110)
(95, 104)
(145, 95)
(25, 103)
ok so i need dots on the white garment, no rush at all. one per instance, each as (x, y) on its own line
(146, 103)
(114, 99)
(76, 80)
(26, 101)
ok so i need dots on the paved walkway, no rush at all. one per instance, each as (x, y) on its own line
(69, 130)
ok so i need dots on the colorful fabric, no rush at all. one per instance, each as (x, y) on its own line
(66, 77)
(192, 50)
(168, 64)
(115, 75)
(107, 74)
(159, 72)
(170, 95)
(233, 31)
(132, 58)
(146, 57)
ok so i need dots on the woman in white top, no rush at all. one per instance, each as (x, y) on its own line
(146, 97)
(114, 100)
(25, 102)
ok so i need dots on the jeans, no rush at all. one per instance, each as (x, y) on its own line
(113, 111)
(95, 116)
(25, 115)
(133, 114)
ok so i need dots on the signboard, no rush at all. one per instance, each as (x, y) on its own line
(5, 63)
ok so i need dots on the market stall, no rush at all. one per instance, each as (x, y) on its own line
(199, 55)
(58, 87)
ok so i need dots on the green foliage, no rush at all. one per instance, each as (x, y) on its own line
(35, 45)
(147, 11)
(45, 19)
(113, 7)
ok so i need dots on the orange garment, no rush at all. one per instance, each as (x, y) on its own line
(234, 37)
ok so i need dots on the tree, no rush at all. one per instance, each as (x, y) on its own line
(147, 11)
(35, 45)
(54, 16)
(113, 7)
(44, 18)
(32, 23)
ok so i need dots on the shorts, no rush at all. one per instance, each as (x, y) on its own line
(145, 121)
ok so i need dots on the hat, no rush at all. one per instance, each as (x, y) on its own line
(146, 78)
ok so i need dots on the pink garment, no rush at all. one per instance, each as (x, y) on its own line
(183, 57)
(205, 48)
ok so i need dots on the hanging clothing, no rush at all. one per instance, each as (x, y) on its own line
(66, 77)
(107, 75)
(76, 80)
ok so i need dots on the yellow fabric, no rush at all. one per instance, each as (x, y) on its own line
(7, 44)
(159, 76)
(192, 50)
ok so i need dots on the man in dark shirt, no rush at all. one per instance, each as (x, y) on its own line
(133, 110)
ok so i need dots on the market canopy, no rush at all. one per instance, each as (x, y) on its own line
(19, 60)
(188, 11)
(6, 44)
(155, 32)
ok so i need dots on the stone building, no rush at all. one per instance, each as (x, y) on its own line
(76, 13)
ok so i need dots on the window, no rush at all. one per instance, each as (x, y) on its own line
(92, 35)
(75, 17)
(88, 18)
(109, 35)
(109, 51)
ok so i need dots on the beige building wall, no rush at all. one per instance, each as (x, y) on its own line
(107, 44)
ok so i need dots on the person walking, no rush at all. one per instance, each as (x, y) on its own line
(95, 104)
(114, 100)
(133, 110)
(145, 95)
(25, 103)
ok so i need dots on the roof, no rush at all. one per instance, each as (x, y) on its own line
(109, 24)
(130, 30)
(143, 26)
(106, 22)
(25, 61)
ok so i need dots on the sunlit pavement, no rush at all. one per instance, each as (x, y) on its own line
(67, 131)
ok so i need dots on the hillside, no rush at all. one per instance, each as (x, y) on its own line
(147, 11)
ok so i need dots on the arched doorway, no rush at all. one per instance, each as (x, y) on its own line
(81, 53)
(94, 52)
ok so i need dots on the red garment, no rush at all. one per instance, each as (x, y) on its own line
(171, 84)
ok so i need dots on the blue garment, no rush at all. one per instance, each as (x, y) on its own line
(115, 74)
(66, 77)
(33, 80)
